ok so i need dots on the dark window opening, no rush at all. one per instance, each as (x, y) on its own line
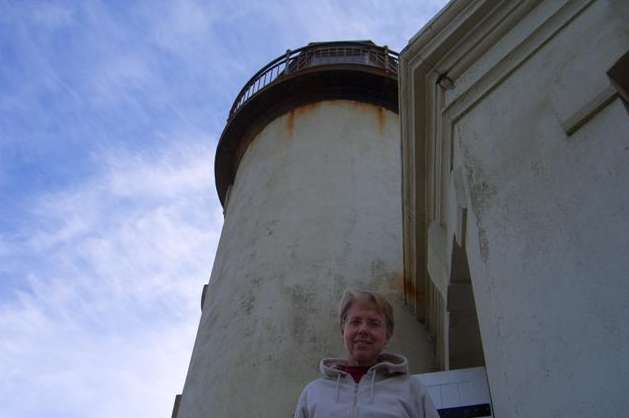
(619, 76)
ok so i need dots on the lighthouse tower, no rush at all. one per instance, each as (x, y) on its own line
(308, 170)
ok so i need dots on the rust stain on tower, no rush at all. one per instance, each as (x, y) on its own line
(297, 113)
(290, 123)
(378, 113)
(380, 118)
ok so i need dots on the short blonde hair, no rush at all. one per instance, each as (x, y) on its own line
(381, 304)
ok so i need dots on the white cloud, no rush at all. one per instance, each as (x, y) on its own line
(104, 322)
(133, 176)
(184, 24)
(119, 75)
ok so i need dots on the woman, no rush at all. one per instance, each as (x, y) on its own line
(368, 383)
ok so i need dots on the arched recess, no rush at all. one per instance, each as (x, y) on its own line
(465, 348)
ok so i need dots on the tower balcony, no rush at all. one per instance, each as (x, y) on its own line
(350, 70)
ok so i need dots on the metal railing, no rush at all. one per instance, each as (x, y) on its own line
(313, 55)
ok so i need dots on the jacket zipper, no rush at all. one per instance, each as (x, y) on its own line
(354, 409)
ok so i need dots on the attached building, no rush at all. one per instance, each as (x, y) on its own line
(515, 133)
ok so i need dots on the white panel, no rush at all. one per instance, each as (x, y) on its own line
(456, 388)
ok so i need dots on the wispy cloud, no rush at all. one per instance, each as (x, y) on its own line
(103, 317)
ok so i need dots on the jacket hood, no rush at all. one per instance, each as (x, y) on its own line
(387, 364)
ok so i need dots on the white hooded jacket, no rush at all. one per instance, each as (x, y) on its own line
(385, 391)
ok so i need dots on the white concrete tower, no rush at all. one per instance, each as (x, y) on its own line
(308, 170)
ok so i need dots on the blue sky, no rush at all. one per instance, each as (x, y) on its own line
(110, 112)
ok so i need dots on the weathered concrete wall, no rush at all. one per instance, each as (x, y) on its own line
(549, 215)
(315, 208)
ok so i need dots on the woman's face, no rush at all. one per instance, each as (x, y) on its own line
(364, 334)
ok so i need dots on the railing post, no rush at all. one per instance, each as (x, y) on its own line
(286, 69)
(386, 58)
